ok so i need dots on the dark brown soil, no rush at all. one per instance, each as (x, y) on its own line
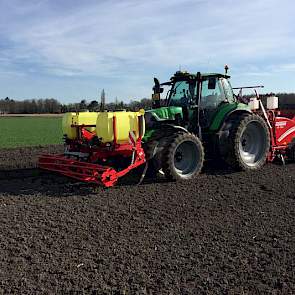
(21, 158)
(225, 233)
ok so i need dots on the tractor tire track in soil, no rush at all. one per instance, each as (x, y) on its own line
(224, 233)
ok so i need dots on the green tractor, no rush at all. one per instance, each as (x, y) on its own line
(201, 116)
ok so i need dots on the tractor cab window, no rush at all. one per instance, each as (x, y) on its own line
(181, 93)
(211, 98)
(228, 91)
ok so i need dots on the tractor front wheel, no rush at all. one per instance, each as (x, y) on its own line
(183, 157)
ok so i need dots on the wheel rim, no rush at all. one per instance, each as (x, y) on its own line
(186, 158)
(253, 143)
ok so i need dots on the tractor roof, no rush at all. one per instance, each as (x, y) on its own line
(181, 74)
(215, 75)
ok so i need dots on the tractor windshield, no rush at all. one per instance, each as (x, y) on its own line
(181, 93)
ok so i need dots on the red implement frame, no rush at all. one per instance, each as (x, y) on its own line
(91, 172)
(281, 124)
(282, 132)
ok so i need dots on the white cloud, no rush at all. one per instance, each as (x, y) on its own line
(133, 39)
(285, 68)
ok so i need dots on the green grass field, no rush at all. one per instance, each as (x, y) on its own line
(29, 131)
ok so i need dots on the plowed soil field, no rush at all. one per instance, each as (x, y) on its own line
(225, 233)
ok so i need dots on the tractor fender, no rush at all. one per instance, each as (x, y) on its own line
(175, 128)
(225, 111)
(165, 132)
(162, 137)
(224, 131)
(231, 115)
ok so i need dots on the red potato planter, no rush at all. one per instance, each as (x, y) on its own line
(281, 126)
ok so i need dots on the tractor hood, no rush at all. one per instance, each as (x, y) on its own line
(154, 118)
(163, 114)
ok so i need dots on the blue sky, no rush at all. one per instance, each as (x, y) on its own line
(72, 49)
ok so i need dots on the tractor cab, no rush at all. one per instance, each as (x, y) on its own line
(197, 93)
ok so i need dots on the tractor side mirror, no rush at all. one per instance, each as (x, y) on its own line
(212, 83)
(157, 88)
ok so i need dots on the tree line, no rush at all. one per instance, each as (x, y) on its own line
(30, 106)
(94, 105)
(286, 100)
(53, 106)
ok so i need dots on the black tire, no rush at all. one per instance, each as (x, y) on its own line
(183, 157)
(153, 167)
(291, 151)
(248, 143)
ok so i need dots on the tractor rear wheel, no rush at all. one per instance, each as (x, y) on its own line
(183, 157)
(248, 143)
